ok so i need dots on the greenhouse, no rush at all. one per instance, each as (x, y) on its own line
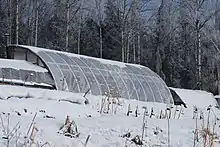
(79, 74)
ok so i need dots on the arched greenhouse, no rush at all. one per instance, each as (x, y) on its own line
(79, 74)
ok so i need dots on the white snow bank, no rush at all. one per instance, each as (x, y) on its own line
(105, 129)
(7, 91)
(15, 81)
(201, 99)
(20, 64)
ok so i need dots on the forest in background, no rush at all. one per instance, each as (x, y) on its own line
(178, 39)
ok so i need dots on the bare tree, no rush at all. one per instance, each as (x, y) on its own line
(133, 28)
(9, 20)
(80, 24)
(198, 17)
(67, 22)
(98, 4)
(36, 22)
(124, 9)
(137, 13)
(16, 21)
(30, 22)
(71, 7)
(128, 47)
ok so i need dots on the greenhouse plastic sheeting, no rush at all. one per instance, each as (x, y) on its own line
(79, 74)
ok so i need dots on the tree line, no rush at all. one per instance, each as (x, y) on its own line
(178, 39)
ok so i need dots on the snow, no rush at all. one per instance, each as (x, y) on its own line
(104, 61)
(15, 81)
(105, 129)
(36, 93)
(201, 99)
(20, 64)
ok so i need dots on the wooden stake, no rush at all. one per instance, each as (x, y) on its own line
(168, 128)
(175, 113)
(129, 109)
(8, 130)
(161, 112)
(180, 112)
(102, 105)
(136, 111)
(195, 133)
(112, 106)
(143, 125)
(87, 140)
(3, 126)
(30, 128)
(86, 93)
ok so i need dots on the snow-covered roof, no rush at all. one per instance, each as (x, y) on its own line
(199, 98)
(20, 64)
(217, 97)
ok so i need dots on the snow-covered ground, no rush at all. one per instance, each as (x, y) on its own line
(106, 130)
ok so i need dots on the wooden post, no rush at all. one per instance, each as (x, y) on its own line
(143, 125)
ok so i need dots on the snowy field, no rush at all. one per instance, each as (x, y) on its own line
(20, 104)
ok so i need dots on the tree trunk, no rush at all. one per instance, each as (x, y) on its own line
(198, 48)
(122, 46)
(128, 47)
(100, 39)
(79, 36)
(36, 22)
(199, 56)
(30, 16)
(16, 23)
(80, 23)
(67, 23)
(134, 49)
(158, 59)
(138, 31)
(218, 75)
(123, 31)
(78, 42)
(139, 48)
(9, 21)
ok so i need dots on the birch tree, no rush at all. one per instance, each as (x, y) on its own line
(67, 22)
(134, 26)
(98, 4)
(71, 9)
(124, 9)
(161, 35)
(16, 21)
(198, 17)
(80, 25)
(3, 27)
(36, 22)
(137, 14)
(9, 21)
